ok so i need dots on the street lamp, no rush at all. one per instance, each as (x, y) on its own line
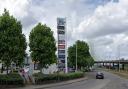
(109, 59)
(76, 56)
(118, 56)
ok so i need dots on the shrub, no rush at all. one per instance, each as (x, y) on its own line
(11, 79)
(71, 75)
(41, 78)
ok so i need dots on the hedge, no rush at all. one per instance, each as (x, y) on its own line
(50, 78)
(11, 79)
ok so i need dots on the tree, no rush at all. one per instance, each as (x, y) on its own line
(42, 46)
(84, 58)
(12, 41)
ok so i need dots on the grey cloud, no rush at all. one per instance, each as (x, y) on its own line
(109, 19)
(101, 28)
(28, 20)
(103, 40)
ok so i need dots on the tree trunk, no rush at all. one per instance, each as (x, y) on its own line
(7, 69)
(34, 65)
(2, 69)
(41, 68)
(81, 68)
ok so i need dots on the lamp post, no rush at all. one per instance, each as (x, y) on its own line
(76, 56)
(118, 57)
(66, 62)
(109, 60)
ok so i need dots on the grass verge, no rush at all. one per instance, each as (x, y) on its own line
(121, 73)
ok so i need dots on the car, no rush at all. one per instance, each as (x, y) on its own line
(99, 75)
(71, 69)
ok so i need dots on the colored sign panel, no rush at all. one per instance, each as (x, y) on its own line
(61, 51)
(61, 42)
(61, 32)
(61, 37)
(61, 56)
(61, 22)
(61, 46)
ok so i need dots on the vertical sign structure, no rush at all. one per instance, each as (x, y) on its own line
(62, 50)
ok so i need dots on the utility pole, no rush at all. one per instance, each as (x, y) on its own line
(109, 60)
(66, 61)
(76, 56)
(119, 56)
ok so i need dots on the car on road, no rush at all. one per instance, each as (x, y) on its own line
(99, 75)
(71, 69)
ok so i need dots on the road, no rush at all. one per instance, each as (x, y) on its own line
(111, 81)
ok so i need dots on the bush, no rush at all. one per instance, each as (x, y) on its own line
(15, 71)
(11, 79)
(71, 76)
(41, 78)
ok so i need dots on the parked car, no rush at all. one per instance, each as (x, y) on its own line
(99, 75)
(71, 69)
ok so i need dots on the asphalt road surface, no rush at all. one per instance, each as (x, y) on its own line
(111, 81)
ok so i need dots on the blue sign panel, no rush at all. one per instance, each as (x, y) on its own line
(61, 56)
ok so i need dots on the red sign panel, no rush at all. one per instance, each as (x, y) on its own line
(61, 46)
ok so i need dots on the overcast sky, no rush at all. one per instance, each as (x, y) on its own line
(102, 23)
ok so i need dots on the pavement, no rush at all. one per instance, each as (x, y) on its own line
(111, 81)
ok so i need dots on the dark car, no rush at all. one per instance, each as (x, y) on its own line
(71, 69)
(99, 75)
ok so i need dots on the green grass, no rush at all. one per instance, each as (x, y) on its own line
(121, 73)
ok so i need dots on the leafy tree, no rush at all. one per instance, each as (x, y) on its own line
(84, 58)
(12, 41)
(42, 45)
